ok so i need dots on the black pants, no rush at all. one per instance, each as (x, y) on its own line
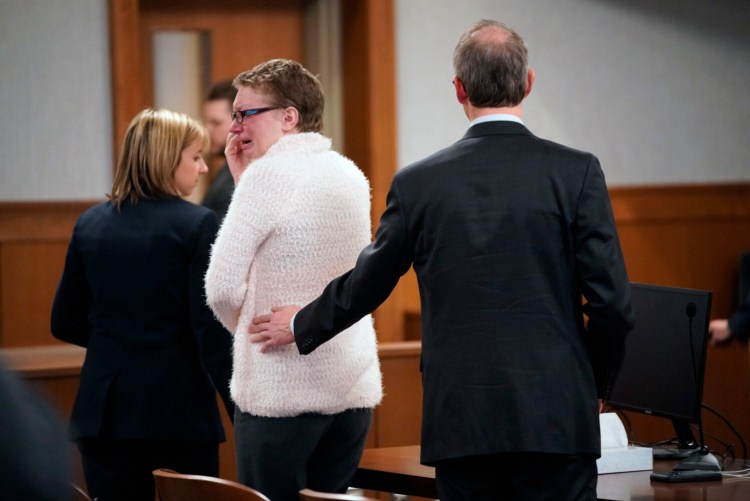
(518, 476)
(280, 456)
(121, 469)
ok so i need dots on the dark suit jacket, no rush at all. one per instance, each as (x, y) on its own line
(219, 193)
(506, 232)
(739, 322)
(132, 294)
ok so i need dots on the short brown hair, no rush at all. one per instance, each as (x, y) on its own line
(151, 152)
(289, 84)
(223, 90)
(493, 71)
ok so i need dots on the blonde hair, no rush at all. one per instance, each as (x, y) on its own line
(151, 152)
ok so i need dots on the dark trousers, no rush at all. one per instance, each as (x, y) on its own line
(121, 469)
(280, 456)
(517, 476)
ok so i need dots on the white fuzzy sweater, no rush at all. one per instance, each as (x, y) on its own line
(299, 217)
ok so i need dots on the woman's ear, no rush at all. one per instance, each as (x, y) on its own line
(290, 119)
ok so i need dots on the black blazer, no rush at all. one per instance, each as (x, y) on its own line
(506, 232)
(132, 294)
(219, 194)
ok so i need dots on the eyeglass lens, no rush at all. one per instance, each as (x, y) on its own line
(239, 116)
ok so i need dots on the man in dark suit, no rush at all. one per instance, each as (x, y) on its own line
(217, 117)
(506, 233)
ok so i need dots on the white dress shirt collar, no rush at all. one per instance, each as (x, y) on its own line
(497, 117)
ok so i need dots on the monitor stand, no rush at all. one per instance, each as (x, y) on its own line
(673, 452)
(699, 460)
(686, 444)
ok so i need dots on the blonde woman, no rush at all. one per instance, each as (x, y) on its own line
(132, 294)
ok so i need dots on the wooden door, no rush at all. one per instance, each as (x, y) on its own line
(238, 33)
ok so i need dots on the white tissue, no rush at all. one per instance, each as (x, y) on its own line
(613, 432)
(617, 455)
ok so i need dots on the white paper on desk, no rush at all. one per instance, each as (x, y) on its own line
(612, 430)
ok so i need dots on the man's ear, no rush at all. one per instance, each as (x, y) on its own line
(530, 78)
(461, 94)
(291, 119)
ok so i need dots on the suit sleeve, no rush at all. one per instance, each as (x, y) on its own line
(348, 298)
(214, 342)
(739, 322)
(72, 302)
(604, 280)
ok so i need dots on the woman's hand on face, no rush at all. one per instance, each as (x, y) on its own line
(234, 155)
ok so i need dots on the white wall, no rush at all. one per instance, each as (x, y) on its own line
(55, 104)
(658, 90)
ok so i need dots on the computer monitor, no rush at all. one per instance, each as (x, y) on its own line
(665, 356)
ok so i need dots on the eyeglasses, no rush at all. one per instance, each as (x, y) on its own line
(239, 116)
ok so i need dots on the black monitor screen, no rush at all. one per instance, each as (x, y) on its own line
(659, 374)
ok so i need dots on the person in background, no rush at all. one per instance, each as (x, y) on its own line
(217, 117)
(35, 456)
(299, 216)
(131, 292)
(737, 326)
(506, 233)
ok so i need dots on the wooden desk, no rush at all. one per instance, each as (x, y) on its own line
(397, 470)
(53, 371)
(37, 362)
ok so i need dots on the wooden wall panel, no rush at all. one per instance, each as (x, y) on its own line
(398, 419)
(30, 271)
(33, 241)
(688, 236)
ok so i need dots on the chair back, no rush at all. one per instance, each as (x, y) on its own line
(173, 486)
(311, 495)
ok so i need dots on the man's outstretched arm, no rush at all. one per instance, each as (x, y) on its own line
(348, 298)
